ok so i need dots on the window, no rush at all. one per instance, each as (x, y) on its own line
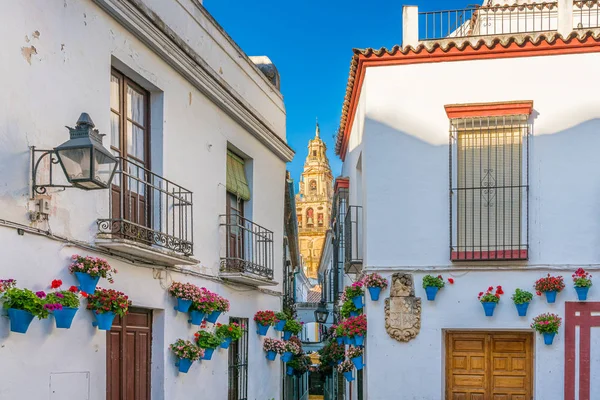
(313, 186)
(238, 363)
(310, 217)
(489, 188)
(320, 219)
(238, 192)
(299, 221)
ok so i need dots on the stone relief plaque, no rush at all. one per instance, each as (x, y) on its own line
(402, 309)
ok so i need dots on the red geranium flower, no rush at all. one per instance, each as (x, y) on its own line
(84, 294)
(451, 281)
(56, 284)
(73, 289)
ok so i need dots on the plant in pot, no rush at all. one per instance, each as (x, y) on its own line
(221, 306)
(356, 328)
(88, 271)
(273, 347)
(106, 304)
(185, 293)
(355, 293)
(582, 281)
(490, 299)
(522, 298)
(547, 324)
(186, 353)
(348, 309)
(229, 333)
(550, 285)
(208, 341)
(281, 318)
(264, 319)
(340, 333)
(22, 306)
(432, 284)
(298, 365)
(68, 301)
(290, 349)
(292, 327)
(202, 305)
(355, 355)
(375, 283)
(345, 368)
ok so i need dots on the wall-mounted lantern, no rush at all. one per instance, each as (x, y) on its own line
(321, 313)
(87, 164)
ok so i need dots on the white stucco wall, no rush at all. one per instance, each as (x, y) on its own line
(68, 72)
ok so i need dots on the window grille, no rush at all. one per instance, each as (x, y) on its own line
(489, 188)
(238, 363)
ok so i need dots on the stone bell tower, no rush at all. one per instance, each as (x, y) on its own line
(314, 204)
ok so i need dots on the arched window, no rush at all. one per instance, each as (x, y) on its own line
(310, 216)
(313, 185)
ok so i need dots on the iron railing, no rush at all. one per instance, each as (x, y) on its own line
(248, 247)
(353, 240)
(488, 20)
(149, 209)
(238, 363)
(489, 192)
(338, 220)
(586, 14)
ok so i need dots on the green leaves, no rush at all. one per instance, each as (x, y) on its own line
(433, 281)
(24, 299)
(522, 296)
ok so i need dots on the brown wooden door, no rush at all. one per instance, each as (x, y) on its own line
(489, 366)
(128, 350)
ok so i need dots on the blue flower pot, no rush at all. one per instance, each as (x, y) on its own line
(354, 313)
(208, 353)
(196, 317)
(358, 302)
(262, 329)
(64, 317)
(226, 342)
(348, 376)
(351, 340)
(374, 292)
(582, 292)
(286, 356)
(19, 320)
(271, 355)
(488, 307)
(87, 283)
(339, 340)
(183, 305)
(289, 371)
(359, 340)
(287, 335)
(431, 292)
(213, 316)
(104, 321)
(338, 362)
(358, 363)
(548, 338)
(551, 296)
(522, 309)
(279, 325)
(184, 365)
(347, 340)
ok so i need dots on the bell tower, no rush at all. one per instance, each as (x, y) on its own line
(313, 204)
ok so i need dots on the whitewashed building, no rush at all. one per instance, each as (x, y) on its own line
(471, 152)
(200, 132)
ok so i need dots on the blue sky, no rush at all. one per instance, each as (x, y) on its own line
(311, 42)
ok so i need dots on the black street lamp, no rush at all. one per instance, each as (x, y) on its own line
(321, 313)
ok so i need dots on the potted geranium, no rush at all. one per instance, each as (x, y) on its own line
(68, 301)
(348, 309)
(229, 332)
(298, 365)
(582, 281)
(291, 349)
(375, 283)
(186, 353)
(88, 271)
(345, 368)
(432, 284)
(203, 304)
(356, 329)
(281, 318)
(106, 304)
(355, 355)
(208, 341)
(521, 298)
(292, 327)
(264, 319)
(547, 324)
(22, 306)
(490, 299)
(355, 293)
(185, 293)
(273, 347)
(550, 285)
(221, 306)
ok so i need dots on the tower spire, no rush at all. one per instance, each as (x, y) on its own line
(317, 130)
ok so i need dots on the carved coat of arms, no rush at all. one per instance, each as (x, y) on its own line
(402, 309)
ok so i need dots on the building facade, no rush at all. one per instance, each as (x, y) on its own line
(314, 204)
(465, 162)
(199, 132)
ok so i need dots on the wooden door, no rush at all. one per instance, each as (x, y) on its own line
(489, 366)
(128, 350)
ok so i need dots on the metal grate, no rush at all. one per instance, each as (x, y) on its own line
(340, 205)
(488, 20)
(238, 363)
(489, 188)
(586, 14)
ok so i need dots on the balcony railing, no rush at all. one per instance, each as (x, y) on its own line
(149, 209)
(248, 247)
(586, 14)
(353, 240)
(492, 20)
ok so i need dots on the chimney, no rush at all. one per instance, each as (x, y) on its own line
(410, 26)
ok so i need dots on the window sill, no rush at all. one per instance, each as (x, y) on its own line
(247, 278)
(498, 255)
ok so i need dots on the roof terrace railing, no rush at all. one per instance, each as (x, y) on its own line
(586, 14)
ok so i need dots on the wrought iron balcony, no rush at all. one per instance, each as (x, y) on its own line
(150, 216)
(247, 253)
(353, 246)
(586, 14)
